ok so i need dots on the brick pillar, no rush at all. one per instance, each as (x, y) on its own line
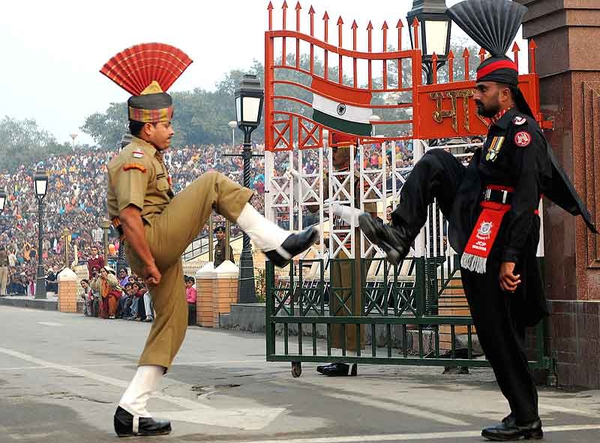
(566, 32)
(204, 300)
(67, 291)
(225, 289)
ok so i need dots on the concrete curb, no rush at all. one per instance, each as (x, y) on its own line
(32, 303)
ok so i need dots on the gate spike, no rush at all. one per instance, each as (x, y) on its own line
(466, 55)
(434, 63)
(311, 12)
(515, 50)
(415, 26)
(270, 9)
(532, 48)
(340, 24)
(369, 40)
(384, 29)
(450, 66)
(284, 9)
(399, 26)
(481, 54)
(298, 8)
(326, 24)
(354, 28)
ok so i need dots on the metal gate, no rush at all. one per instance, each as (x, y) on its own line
(414, 313)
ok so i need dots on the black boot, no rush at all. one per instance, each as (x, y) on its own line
(509, 430)
(147, 425)
(293, 245)
(335, 370)
(395, 241)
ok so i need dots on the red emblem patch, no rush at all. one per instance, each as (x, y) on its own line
(522, 139)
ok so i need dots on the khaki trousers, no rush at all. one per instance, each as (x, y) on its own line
(168, 235)
(3, 279)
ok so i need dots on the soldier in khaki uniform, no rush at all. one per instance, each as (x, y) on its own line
(156, 228)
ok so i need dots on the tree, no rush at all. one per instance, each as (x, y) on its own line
(22, 142)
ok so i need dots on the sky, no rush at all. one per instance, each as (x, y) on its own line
(52, 51)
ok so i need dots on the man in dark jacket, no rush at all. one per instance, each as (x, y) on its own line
(492, 208)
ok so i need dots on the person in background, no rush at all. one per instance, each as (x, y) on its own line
(191, 296)
(95, 261)
(88, 299)
(3, 271)
(220, 247)
(123, 277)
(110, 291)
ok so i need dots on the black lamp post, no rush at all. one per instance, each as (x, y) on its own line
(249, 97)
(121, 262)
(2, 199)
(435, 29)
(40, 180)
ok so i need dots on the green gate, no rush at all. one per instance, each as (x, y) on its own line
(404, 317)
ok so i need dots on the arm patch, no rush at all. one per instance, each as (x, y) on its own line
(137, 166)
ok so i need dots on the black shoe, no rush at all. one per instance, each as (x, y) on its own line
(147, 425)
(395, 241)
(509, 430)
(293, 245)
(336, 370)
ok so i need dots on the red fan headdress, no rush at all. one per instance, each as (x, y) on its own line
(147, 71)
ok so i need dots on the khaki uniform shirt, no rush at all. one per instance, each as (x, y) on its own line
(138, 176)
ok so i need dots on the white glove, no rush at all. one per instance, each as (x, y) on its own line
(346, 213)
(300, 186)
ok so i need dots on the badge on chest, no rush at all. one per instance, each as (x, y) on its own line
(494, 149)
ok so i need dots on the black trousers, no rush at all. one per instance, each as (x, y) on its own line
(438, 175)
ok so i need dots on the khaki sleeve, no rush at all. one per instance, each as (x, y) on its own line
(130, 184)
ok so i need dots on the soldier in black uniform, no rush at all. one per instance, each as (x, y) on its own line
(492, 208)
(220, 251)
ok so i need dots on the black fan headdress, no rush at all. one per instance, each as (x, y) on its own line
(493, 24)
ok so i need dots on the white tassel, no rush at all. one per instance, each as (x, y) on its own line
(473, 263)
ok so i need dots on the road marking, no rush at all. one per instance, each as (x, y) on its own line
(49, 323)
(241, 418)
(397, 407)
(394, 406)
(555, 408)
(407, 437)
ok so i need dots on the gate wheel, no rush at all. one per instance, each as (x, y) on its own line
(296, 369)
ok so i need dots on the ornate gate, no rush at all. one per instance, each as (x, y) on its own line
(414, 313)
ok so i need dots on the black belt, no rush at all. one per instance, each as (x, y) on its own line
(497, 196)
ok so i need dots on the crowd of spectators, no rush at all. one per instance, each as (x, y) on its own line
(76, 201)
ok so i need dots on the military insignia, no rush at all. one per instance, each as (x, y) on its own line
(137, 166)
(519, 120)
(485, 230)
(522, 139)
(138, 153)
(494, 149)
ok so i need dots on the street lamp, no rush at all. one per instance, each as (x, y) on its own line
(40, 181)
(374, 118)
(74, 136)
(105, 228)
(232, 124)
(2, 199)
(249, 97)
(435, 29)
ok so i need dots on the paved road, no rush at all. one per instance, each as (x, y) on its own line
(62, 374)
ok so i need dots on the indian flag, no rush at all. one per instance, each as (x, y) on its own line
(335, 106)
